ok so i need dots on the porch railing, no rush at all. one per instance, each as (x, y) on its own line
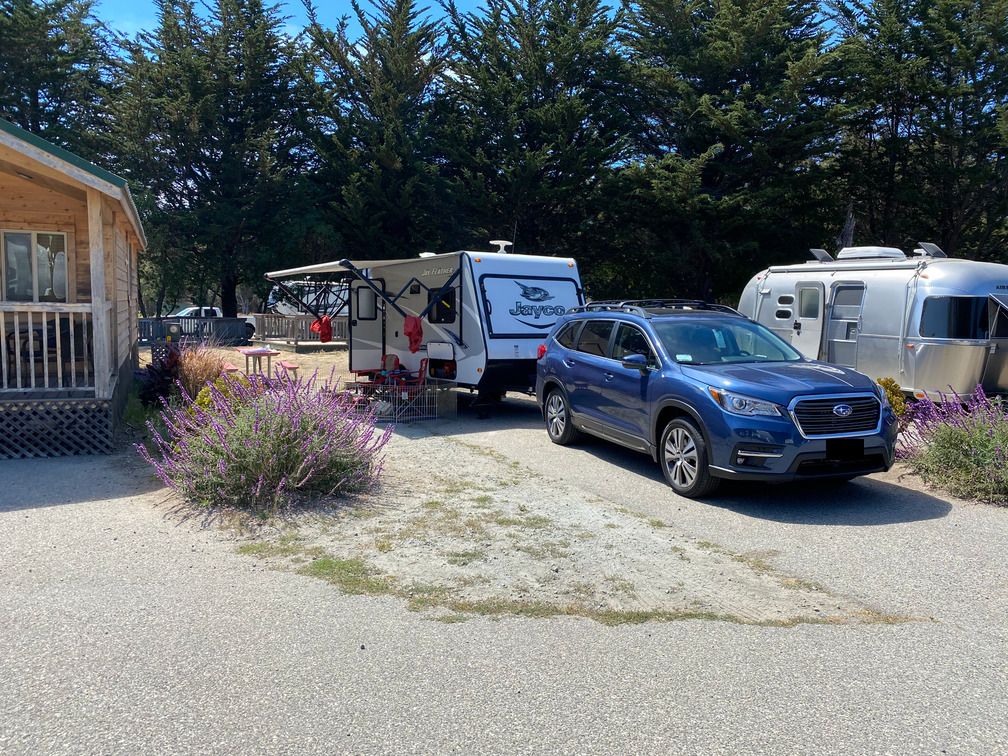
(46, 347)
(294, 328)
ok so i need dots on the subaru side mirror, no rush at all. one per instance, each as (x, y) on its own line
(636, 362)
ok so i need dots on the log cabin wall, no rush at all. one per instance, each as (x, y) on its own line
(27, 206)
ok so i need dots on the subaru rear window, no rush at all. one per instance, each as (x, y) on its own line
(566, 335)
(594, 337)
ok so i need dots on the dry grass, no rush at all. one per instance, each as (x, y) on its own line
(199, 365)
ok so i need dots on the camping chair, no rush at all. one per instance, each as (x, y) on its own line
(417, 379)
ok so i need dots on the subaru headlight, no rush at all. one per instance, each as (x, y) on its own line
(737, 404)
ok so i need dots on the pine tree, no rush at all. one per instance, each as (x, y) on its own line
(923, 155)
(373, 129)
(55, 71)
(732, 91)
(207, 119)
(536, 91)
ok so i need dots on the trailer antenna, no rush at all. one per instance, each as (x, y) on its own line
(502, 245)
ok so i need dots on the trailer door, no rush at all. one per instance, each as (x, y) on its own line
(995, 377)
(808, 322)
(367, 325)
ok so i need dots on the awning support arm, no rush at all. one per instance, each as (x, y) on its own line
(359, 275)
(289, 293)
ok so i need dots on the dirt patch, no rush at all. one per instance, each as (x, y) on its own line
(458, 529)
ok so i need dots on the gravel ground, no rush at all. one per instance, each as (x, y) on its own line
(127, 628)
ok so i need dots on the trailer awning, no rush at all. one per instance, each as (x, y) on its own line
(338, 266)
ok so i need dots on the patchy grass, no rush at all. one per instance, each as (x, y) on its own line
(522, 521)
(355, 576)
(462, 558)
(352, 576)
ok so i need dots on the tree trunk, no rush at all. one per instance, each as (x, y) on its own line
(229, 295)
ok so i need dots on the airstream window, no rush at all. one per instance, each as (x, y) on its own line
(954, 318)
(785, 299)
(808, 303)
(783, 314)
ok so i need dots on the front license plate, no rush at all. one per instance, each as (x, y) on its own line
(844, 449)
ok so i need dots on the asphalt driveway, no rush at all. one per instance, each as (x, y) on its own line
(127, 629)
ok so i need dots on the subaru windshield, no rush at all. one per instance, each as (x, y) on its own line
(721, 340)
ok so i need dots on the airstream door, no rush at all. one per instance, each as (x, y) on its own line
(844, 324)
(808, 322)
(995, 378)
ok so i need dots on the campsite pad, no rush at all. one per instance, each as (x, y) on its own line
(495, 538)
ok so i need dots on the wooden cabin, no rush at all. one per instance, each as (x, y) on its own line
(69, 239)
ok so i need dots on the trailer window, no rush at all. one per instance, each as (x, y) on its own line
(443, 310)
(954, 318)
(595, 337)
(367, 304)
(808, 303)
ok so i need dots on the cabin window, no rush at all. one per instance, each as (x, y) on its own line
(954, 318)
(367, 304)
(443, 310)
(33, 267)
(594, 337)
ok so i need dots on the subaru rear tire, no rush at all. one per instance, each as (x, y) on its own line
(684, 461)
(558, 419)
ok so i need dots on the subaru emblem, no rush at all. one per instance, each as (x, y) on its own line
(843, 410)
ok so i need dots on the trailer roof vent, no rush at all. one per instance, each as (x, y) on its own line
(870, 253)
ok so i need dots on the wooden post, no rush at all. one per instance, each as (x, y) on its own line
(99, 303)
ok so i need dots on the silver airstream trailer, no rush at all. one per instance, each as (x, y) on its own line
(932, 323)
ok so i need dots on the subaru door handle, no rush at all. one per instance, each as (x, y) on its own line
(608, 376)
(569, 363)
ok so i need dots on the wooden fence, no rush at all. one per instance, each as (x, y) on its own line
(218, 330)
(293, 329)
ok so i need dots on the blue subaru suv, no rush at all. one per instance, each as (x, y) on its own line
(709, 394)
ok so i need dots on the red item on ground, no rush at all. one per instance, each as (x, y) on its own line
(323, 327)
(413, 330)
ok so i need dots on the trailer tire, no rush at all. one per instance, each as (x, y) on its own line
(559, 426)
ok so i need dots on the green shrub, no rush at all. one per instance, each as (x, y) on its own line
(959, 445)
(897, 400)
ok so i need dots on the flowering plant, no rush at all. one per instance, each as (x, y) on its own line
(959, 444)
(262, 445)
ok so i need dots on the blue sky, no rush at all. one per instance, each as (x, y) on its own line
(130, 16)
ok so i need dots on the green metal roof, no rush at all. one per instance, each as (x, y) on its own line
(74, 160)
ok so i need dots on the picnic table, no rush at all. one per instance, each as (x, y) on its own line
(253, 359)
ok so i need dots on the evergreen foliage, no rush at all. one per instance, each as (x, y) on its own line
(674, 147)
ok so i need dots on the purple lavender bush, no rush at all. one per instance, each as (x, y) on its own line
(959, 444)
(266, 445)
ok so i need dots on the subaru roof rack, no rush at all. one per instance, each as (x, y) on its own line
(647, 307)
